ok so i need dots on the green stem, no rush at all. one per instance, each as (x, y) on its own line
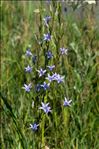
(33, 141)
(43, 130)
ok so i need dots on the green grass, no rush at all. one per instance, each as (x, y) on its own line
(76, 127)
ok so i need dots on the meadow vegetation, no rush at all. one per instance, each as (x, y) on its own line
(40, 34)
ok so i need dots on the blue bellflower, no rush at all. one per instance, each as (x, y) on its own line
(56, 77)
(50, 78)
(28, 52)
(45, 85)
(51, 67)
(34, 58)
(41, 72)
(59, 78)
(45, 107)
(27, 87)
(34, 126)
(47, 37)
(63, 51)
(38, 87)
(67, 102)
(49, 54)
(46, 20)
(28, 69)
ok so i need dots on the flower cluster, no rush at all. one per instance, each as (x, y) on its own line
(46, 75)
(56, 77)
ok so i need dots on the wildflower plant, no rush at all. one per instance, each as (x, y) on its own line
(48, 77)
(49, 63)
